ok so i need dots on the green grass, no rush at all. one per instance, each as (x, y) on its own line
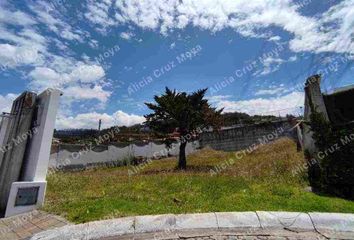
(262, 180)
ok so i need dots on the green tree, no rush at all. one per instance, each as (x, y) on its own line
(185, 113)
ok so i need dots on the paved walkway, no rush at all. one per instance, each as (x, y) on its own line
(39, 225)
(238, 225)
(24, 226)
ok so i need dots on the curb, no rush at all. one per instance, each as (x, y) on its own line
(330, 225)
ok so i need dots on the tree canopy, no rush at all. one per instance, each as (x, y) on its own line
(184, 113)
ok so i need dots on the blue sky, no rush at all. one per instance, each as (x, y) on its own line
(109, 57)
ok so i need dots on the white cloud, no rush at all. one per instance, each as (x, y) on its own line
(12, 56)
(274, 38)
(82, 82)
(44, 77)
(126, 119)
(292, 58)
(277, 105)
(270, 65)
(21, 34)
(46, 14)
(6, 102)
(93, 43)
(26, 46)
(15, 18)
(26, 37)
(97, 13)
(248, 18)
(218, 98)
(339, 22)
(271, 91)
(84, 93)
(127, 35)
(90, 120)
(87, 73)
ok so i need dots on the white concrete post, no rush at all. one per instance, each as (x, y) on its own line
(37, 161)
(32, 184)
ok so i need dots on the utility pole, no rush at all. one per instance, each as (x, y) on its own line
(99, 126)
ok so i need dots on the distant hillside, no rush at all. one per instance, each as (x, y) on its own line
(137, 132)
(236, 118)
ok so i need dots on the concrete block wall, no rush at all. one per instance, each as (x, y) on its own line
(242, 137)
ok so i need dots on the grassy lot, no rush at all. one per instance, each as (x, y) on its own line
(262, 180)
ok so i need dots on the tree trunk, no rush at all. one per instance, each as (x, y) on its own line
(182, 162)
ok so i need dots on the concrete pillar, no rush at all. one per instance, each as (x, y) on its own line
(37, 160)
(15, 144)
(313, 94)
(3, 128)
(24, 168)
(4, 131)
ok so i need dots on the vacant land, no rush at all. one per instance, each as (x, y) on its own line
(265, 179)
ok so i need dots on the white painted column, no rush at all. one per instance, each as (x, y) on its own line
(37, 161)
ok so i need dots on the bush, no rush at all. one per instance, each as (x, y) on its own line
(333, 170)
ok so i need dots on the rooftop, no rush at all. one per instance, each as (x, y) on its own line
(341, 90)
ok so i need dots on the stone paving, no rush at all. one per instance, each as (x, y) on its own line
(24, 226)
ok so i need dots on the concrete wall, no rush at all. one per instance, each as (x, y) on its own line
(242, 137)
(78, 156)
(339, 106)
(313, 99)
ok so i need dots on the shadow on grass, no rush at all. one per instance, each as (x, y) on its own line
(190, 169)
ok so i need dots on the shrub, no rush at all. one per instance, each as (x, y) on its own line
(333, 170)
